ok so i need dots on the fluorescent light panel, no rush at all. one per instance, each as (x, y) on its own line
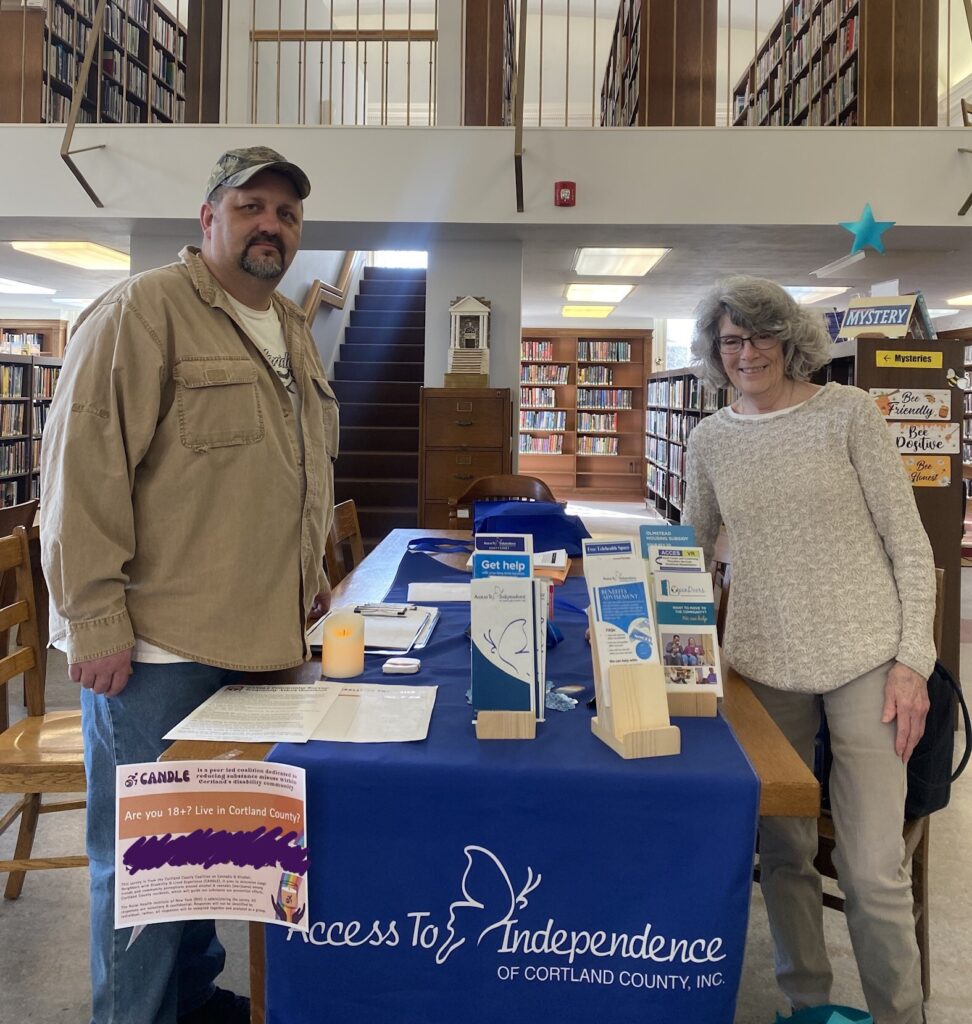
(935, 314)
(837, 266)
(86, 255)
(961, 300)
(616, 262)
(590, 312)
(807, 295)
(598, 292)
(8, 287)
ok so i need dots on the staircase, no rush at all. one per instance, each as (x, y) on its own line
(377, 376)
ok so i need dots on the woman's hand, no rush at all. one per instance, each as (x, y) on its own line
(905, 699)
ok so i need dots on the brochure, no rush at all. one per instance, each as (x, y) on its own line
(685, 615)
(376, 713)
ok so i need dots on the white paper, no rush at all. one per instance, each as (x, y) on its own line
(257, 714)
(386, 634)
(438, 592)
(376, 713)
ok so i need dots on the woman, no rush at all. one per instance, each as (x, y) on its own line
(832, 603)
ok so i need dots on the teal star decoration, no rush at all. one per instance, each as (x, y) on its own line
(867, 232)
(839, 1018)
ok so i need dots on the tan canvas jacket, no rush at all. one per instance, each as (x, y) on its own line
(175, 504)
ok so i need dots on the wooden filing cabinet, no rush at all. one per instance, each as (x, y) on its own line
(464, 433)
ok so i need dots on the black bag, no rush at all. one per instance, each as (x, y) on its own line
(930, 774)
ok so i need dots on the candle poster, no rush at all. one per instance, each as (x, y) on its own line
(913, 403)
(210, 839)
(925, 438)
(928, 470)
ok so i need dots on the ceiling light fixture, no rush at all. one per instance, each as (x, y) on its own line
(8, 287)
(935, 314)
(807, 295)
(591, 312)
(598, 292)
(86, 255)
(961, 300)
(616, 262)
(832, 269)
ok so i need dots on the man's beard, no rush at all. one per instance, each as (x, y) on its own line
(266, 267)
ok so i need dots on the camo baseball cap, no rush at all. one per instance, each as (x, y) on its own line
(236, 166)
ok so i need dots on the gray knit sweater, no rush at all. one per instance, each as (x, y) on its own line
(832, 572)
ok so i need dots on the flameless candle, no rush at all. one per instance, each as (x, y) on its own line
(342, 652)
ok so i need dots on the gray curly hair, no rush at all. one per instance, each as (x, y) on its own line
(762, 307)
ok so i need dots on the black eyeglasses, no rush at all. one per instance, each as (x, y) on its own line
(733, 343)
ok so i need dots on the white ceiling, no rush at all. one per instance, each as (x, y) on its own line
(936, 260)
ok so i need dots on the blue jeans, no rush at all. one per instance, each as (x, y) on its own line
(170, 968)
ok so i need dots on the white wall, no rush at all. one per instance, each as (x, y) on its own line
(432, 176)
(489, 270)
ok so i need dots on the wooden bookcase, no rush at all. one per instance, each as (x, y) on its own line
(26, 387)
(580, 410)
(675, 403)
(661, 67)
(138, 75)
(941, 508)
(844, 62)
(50, 336)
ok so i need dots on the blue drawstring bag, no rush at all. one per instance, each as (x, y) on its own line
(829, 1014)
(546, 521)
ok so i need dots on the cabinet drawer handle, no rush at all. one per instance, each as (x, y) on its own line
(464, 423)
(463, 476)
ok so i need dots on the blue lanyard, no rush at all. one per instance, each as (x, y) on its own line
(439, 545)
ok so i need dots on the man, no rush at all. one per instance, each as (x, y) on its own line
(187, 491)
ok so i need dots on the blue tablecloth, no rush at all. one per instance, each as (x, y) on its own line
(462, 881)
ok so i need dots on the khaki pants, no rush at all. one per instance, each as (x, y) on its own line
(867, 791)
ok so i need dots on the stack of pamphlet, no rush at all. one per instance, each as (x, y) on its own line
(509, 608)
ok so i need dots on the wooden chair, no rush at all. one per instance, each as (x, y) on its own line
(966, 113)
(11, 517)
(42, 753)
(343, 544)
(502, 487)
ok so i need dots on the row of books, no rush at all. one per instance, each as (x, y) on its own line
(41, 410)
(604, 351)
(544, 373)
(45, 380)
(543, 444)
(590, 444)
(595, 375)
(538, 398)
(9, 493)
(680, 425)
(603, 421)
(656, 450)
(11, 381)
(13, 419)
(165, 35)
(530, 420)
(968, 401)
(604, 398)
(542, 350)
(14, 458)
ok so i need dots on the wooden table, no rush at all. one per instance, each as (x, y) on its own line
(788, 787)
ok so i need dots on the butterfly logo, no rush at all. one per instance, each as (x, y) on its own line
(489, 900)
(512, 642)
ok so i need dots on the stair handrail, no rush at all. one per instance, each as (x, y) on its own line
(331, 294)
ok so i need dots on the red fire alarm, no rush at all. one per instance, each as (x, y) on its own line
(565, 193)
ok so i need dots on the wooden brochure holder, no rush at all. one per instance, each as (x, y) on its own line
(635, 722)
(506, 725)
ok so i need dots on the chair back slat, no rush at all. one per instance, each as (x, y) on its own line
(499, 487)
(21, 660)
(344, 531)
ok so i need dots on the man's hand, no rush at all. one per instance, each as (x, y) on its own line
(108, 675)
(321, 605)
(905, 699)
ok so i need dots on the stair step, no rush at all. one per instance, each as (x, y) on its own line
(387, 335)
(390, 286)
(377, 523)
(377, 464)
(375, 493)
(380, 371)
(363, 413)
(371, 318)
(378, 438)
(395, 273)
(361, 352)
(393, 303)
(371, 392)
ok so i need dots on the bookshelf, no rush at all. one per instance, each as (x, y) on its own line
(676, 401)
(941, 507)
(644, 83)
(49, 336)
(580, 403)
(26, 387)
(138, 75)
(844, 63)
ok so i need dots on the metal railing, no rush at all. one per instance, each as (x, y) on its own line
(397, 62)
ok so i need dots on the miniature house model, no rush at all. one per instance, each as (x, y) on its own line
(469, 336)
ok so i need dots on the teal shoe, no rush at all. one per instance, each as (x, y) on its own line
(828, 1014)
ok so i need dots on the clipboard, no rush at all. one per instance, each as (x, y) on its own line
(387, 632)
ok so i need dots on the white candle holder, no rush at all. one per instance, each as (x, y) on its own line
(342, 649)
